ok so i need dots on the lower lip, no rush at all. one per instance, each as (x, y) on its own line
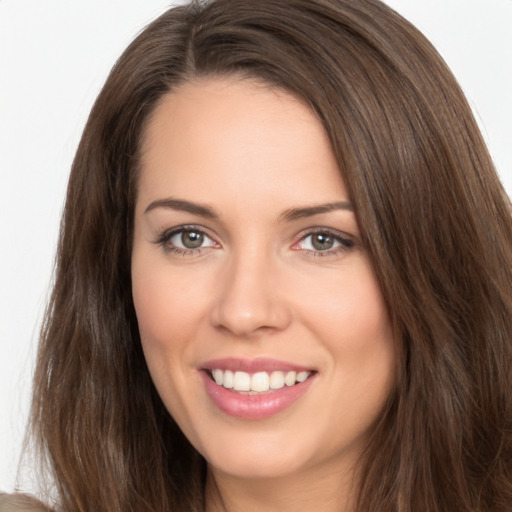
(254, 407)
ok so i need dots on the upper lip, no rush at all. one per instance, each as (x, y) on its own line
(253, 365)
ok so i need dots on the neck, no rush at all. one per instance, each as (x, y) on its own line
(326, 489)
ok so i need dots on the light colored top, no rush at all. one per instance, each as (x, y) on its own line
(21, 503)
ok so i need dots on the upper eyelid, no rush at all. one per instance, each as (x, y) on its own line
(164, 237)
(331, 231)
(172, 234)
(165, 234)
(345, 240)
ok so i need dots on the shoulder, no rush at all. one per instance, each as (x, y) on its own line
(21, 503)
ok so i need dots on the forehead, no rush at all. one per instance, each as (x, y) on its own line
(222, 138)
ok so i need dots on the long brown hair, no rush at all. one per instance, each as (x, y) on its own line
(434, 218)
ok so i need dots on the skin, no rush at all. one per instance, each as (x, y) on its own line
(258, 287)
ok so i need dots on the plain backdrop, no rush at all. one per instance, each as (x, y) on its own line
(55, 56)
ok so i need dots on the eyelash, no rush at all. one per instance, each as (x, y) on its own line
(165, 238)
(345, 243)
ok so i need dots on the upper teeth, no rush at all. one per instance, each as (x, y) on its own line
(260, 381)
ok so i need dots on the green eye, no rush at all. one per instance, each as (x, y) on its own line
(191, 239)
(322, 241)
(186, 240)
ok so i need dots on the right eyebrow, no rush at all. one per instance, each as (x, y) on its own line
(309, 211)
(182, 205)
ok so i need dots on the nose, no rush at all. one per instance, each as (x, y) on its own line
(249, 300)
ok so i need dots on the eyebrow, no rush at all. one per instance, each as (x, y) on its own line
(182, 205)
(207, 211)
(309, 211)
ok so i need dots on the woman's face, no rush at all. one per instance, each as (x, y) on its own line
(262, 323)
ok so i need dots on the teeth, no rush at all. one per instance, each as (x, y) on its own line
(228, 379)
(289, 378)
(259, 382)
(276, 380)
(302, 376)
(218, 376)
(242, 381)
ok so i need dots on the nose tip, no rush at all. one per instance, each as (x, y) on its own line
(249, 302)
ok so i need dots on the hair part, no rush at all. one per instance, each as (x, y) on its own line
(434, 218)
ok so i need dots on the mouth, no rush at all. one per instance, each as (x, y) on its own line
(255, 389)
(259, 382)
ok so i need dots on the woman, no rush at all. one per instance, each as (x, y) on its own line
(283, 276)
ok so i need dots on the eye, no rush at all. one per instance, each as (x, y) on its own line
(319, 242)
(188, 239)
(324, 242)
(185, 240)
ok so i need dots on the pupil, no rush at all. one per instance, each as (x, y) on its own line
(322, 242)
(192, 239)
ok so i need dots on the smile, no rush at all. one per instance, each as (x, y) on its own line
(260, 382)
(255, 389)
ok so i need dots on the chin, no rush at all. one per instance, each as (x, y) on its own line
(259, 464)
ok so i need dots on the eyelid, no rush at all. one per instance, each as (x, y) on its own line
(181, 231)
(163, 239)
(345, 241)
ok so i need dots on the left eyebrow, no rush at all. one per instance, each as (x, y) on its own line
(309, 211)
(182, 205)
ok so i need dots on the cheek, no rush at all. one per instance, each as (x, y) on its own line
(167, 320)
(154, 308)
(369, 350)
(350, 318)
(167, 307)
(368, 334)
(347, 305)
(170, 309)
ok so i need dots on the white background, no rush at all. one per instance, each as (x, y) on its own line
(55, 56)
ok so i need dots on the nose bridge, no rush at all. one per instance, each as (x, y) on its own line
(249, 299)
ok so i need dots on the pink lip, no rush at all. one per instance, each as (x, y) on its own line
(253, 365)
(253, 407)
